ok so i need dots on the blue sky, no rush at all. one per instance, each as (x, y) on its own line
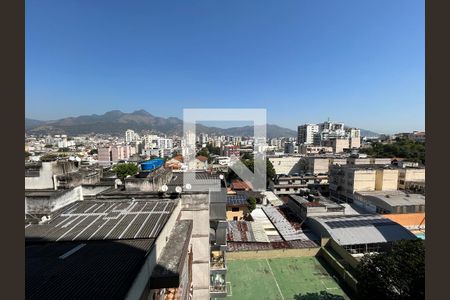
(359, 62)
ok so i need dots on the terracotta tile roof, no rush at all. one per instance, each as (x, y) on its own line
(241, 185)
(202, 158)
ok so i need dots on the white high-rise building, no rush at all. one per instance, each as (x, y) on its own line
(306, 133)
(130, 136)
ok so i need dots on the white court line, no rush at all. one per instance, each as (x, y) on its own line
(230, 294)
(279, 290)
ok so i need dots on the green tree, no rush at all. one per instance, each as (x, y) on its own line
(64, 149)
(27, 154)
(93, 151)
(396, 274)
(123, 170)
(252, 202)
(250, 164)
(203, 152)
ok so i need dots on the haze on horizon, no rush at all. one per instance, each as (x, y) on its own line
(357, 62)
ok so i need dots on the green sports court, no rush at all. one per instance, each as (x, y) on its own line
(280, 278)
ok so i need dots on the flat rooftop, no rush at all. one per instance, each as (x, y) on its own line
(281, 278)
(394, 198)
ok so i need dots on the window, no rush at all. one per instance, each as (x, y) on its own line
(235, 209)
(235, 218)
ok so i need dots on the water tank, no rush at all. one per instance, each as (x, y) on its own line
(151, 165)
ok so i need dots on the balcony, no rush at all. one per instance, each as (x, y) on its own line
(217, 261)
(218, 286)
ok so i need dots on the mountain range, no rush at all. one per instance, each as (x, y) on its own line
(116, 122)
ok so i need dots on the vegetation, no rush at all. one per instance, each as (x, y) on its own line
(213, 150)
(396, 274)
(27, 154)
(93, 151)
(64, 149)
(250, 164)
(123, 170)
(252, 201)
(402, 148)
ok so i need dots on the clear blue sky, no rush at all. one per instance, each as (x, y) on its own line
(359, 62)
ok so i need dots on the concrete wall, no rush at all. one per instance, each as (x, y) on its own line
(46, 205)
(196, 207)
(410, 174)
(278, 253)
(386, 180)
(342, 272)
(286, 165)
(363, 180)
(92, 190)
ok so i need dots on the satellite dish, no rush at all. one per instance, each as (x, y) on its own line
(164, 188)
(221, 176)
(188, 186)
(178, 189)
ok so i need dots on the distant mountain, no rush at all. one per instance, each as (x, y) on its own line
(30, 123)
(116, 122)
(369, 133)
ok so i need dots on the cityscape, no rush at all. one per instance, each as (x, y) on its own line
(327, 196)
(242, 150)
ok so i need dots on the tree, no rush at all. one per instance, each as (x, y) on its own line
(252, 201)
(203, 152)
(123, 170)
(27, 154)
(64, 149)
(396, 274)
(93, 151)
(402, 147)
(250, 164)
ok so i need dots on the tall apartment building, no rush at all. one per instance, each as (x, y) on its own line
(329, 134)
(131, 136)
(306, 133)
(346, 180)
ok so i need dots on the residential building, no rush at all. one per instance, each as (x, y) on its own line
(306, 133)
(410, 176)
(237, 207)
(345, 180)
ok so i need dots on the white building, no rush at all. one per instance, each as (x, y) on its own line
(306, 133)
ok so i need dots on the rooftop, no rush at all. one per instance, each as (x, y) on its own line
(361, 229)
(104, 220)
(394, 198)
(237, 200)
(78, 270)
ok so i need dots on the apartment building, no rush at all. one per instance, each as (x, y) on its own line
(306, 133)
(345, 180)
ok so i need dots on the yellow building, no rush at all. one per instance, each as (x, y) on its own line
(237, 207)
(410, 175)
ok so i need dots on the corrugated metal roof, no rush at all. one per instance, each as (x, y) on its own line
(98, 270)
(104, 220)
(362, 229)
